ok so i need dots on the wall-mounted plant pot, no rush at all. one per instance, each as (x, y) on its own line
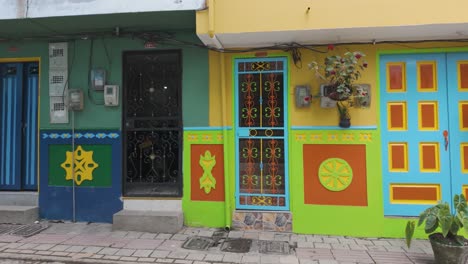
(345, 122)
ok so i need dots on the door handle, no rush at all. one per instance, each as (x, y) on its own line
(446, 140)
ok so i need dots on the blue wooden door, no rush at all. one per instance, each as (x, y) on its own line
(424, 129)
(18, 126)
(261, 134)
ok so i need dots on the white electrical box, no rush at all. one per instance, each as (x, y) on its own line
(58, 82)
(75, 101)
(58, 55)
(58, 110)
(111, 95)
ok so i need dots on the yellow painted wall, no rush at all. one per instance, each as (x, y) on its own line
(314, 115)
(279, 15)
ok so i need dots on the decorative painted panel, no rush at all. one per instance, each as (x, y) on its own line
(261, 146)
(463, 115)
(203, 176)
(462, 73)
(464, 157)
(396, 81)
(414, 194)
(335, 174)
(397, 116)
(398, 157)
(262, 221)
(98, 191)
(428, 115)
(427, 76)
(429, 157)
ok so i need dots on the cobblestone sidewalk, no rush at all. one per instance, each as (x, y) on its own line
(97, 243)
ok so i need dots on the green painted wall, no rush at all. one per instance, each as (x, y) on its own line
(97, 116)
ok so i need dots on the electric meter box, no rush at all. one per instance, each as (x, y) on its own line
(111, 95)
(75, 99)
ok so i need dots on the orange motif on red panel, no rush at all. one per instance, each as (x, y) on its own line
(355, 194)
(196, 172)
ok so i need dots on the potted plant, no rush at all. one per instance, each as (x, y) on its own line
(448, 246)
(340, 73)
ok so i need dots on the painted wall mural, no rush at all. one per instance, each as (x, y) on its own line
(335, 174)
(207, 172)
(97, 169)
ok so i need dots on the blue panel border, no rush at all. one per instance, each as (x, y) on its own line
(93, 204)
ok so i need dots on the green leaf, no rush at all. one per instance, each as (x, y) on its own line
(465, 223)
(460, 203)
(431, 224)
(455, 226)
(445, 220)
(409, 232)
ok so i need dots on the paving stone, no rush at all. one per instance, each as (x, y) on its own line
(348, 241)
(144, 244)
(203, 262)
(111, 257)
(61, 254)
(164, 236)
(282, 237)
(314, 253)
(308, 261)
(9, 239)
(96, 256)
(232, 258)
(394, 249)
(128, 259)
(28, 246)
(183, 261)
(329, 262)
(357, 247)
(159, 260)
(268, 259)
(363, 242)
(236, 234)
(148, 236)
(146, 259)
(178, 255)
(108, 251)
(134, 234)
(297, 238)
(331, 240)
(119, 234)
(12, 250)
(27, 251)
(381, 243)
(389, 257)
(44, 246)
(289, 260)
(160, 254)
(266, 236)
(125, 252)
(44, 252)
(75, 249)
(376, 248)
(92, 249)
(301, 244)
(250, 259)
(195, 256)
(340, 246)
(214, 257)
(179, 237)
(205, 233)
(60, 248)
(314, 239)
(142, 253)
(192, 231)
(251, 235)
(322, 245)
(170, 245)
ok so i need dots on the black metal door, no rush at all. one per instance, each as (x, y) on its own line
(152, 123)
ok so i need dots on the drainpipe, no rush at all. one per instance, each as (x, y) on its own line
(227, 189)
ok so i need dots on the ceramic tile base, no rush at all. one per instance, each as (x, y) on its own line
(262, 221)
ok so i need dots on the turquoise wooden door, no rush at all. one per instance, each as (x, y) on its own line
(18, 126)
(261, 134)
(424, 129)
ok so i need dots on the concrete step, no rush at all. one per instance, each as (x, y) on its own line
(17, 214)
(19, 198)
(148, 221)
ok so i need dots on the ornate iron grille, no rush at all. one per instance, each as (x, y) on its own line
(261, 133)
(152, 123)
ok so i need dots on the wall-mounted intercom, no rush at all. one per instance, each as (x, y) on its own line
(98, 79)
(75, 99)
(326, 102)
(303, 96)
(111, 95)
